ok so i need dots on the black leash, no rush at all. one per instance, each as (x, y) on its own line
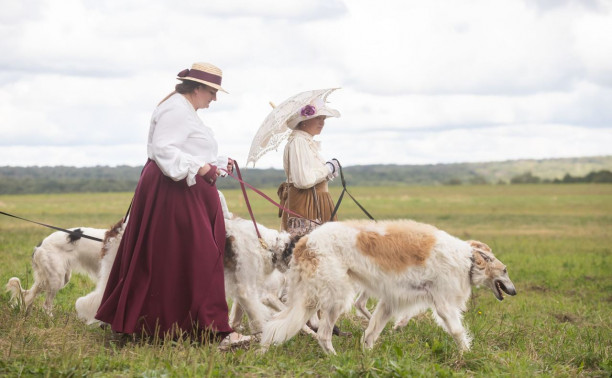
(76, 233)
(344, 190)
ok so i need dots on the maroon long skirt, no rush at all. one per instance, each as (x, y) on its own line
(168, 273)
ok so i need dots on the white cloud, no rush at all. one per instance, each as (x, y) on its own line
(422, 81)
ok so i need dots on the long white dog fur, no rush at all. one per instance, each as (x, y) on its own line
(408, 266)
(87, 306)
(53, 262)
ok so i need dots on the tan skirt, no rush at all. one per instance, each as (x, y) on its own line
(304, 203)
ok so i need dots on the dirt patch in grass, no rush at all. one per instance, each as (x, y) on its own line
(538, 288)
(566, 318)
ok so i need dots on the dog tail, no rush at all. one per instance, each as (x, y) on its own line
(287, 323)
(17, 292)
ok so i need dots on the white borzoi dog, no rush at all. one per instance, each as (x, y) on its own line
(53, 262)
(408, 266)
(87, 306)
(253, 277)
(253, 273)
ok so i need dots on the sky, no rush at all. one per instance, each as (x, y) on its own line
(422, 82)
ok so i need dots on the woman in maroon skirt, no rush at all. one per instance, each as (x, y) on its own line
(167, 278)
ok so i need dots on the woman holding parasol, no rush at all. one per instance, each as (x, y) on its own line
(305, 192)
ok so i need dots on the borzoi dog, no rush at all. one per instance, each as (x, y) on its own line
(252, 276)
(53, 262)
(408, 266)
(87, 306)
(253, 273)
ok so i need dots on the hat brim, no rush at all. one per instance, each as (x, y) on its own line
(327, 112)
(213, 85)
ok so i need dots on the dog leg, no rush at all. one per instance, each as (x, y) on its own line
(377, 323)
(257, 313)
(314, 321)
(29, 295)
(451, 318)
(273, 302)
(360, 304)
(407, 314)
(87, 306)
(326, 328)
(48, 305)
(236, 314)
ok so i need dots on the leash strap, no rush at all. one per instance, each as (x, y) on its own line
(248, 203)
(242, 183)
(344, 190)
(143, 168)
(73, 233)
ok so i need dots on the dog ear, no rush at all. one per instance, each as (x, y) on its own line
(475, 244)
(485, 257)
(479, 255)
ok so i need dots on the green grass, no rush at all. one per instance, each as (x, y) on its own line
(555, 239)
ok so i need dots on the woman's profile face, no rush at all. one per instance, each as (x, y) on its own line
(205, 95)
(313, 126)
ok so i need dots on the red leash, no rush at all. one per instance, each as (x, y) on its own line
(246, 198)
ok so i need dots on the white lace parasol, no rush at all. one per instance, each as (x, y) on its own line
(273, 131)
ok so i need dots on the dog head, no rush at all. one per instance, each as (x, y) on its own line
(489, 271)
(112, 238)
(283, 250)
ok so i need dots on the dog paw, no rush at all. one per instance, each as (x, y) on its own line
(234, 340)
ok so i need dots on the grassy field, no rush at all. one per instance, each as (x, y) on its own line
(555, 239)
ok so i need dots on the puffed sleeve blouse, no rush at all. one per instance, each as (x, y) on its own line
(179, 142)
(302, 161)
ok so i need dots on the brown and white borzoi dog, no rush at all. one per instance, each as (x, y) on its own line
(408, 266)
(53, 262)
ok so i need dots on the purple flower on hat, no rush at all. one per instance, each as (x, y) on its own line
(308, 110)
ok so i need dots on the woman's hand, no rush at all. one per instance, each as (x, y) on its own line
(334, 169)
(204, 169)
(209, 173)
(230, 165)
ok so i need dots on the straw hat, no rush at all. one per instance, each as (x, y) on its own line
(204, 73)
(315, 108)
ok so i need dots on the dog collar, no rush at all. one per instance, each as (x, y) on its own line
(471, 273)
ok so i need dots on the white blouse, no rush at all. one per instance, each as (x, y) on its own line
(304, 166)
(179, 142)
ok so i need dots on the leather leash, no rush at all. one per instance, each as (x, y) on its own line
(344, 190)
(265, 196)
(74, 233)
(248, 203)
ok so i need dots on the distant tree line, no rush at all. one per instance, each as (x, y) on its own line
(603, 176)
(62, 179)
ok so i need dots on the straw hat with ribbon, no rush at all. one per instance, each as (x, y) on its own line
(204, 73)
